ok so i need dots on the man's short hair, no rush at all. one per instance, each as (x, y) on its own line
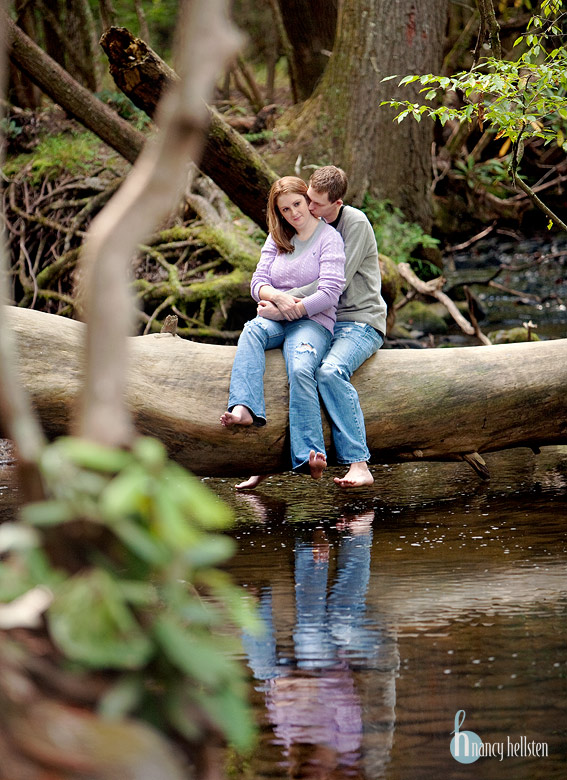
(331, 180)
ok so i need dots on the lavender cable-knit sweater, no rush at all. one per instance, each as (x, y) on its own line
(321, 257)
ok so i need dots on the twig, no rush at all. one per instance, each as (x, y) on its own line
(478, 333)
(433, 289)
(531, 193)
(167, 302)
(516, 293)
(471, 241)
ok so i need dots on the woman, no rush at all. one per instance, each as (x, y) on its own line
(299, 249)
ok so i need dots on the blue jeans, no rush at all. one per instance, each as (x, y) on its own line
(352, 344)
(304, 343)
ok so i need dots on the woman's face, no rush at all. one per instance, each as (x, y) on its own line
(294, 209)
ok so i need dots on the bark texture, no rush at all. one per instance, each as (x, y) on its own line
(310, 29)
(227, 157)
(342, 123)
(444, 404)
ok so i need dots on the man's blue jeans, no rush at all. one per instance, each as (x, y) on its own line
(352, 344)
(304, 343)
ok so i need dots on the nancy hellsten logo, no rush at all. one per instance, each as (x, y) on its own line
(467, 747)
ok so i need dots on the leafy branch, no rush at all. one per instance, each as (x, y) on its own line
(518, 100)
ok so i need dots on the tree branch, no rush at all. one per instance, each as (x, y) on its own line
(207, 42)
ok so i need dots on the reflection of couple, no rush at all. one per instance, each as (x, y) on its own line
(312, 700)
(326, 313)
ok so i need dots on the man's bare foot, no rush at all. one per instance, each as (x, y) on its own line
(358, 475)
(239, 415)
(317, 464)
(251, 482)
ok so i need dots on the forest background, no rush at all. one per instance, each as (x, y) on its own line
(127, 527)
(309, 88)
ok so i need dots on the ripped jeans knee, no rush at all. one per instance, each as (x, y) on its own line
(329, 371)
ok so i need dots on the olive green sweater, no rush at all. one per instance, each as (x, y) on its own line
(361, 300)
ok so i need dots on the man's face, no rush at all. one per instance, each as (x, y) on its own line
(320, 205)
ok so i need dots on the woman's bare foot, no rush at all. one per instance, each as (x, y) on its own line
(358, 475)
(251, 482)
(317, 464)
(239, 415)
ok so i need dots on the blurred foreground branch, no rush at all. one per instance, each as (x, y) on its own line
(155, 183)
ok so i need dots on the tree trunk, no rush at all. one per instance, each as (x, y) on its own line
(22, 91)
(81, 37)
(342, 123)
(228, 158)
(432, 404)
(310, 28)
(74, 98)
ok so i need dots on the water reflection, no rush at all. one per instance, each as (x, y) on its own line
(392, 609)
(311, 697)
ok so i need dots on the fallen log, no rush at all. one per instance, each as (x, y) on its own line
(431, 404)
(228, 158)
(230, 161)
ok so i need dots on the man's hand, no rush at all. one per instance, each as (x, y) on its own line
(270, 311)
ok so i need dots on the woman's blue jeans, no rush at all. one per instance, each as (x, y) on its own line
(304, 343)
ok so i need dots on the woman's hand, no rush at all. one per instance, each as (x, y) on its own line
(289, 306)
(270, 311)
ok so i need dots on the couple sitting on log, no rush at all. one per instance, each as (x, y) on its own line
(318, 290)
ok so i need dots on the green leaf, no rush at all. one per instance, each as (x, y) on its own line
(90, 455)
(150, 452)
(140, 594)
(91, 623)
(121, 698)
(142, 543)
(210, 551)
(229, 710)
(197, 655)
(126, 494)
(195, 498)
(47, 513)
(408, 80)
(388, 78)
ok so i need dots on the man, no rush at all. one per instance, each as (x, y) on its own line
(359, 329)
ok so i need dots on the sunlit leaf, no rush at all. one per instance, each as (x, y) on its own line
(90, 455)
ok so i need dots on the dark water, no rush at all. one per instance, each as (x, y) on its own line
(390, 611)
(534, 275)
